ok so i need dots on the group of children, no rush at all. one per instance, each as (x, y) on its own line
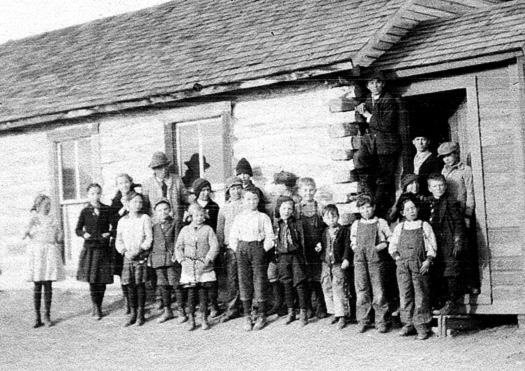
(306, 248)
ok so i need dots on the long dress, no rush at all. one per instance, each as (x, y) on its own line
(44, 260)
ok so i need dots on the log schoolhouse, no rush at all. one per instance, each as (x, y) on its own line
(253, 79)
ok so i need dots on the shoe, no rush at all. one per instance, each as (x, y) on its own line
(448, 309)
(159, 305)
(341, 323)
(47, 320)
(38, 322)
(361, 327)
(204, 323)
(332, 320)
(247, 324)
(214, 312)
(166, 316)
(260, 322)
(291, 316)
(140, 318)
(423, 335)
(98, 313)
(303, 318)
(181, 318)
(321, 313)
(310, 313)
(132, 319)
(382, 329)
(407, 330)
(191, 323)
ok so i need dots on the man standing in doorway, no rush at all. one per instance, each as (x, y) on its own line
(382, 114)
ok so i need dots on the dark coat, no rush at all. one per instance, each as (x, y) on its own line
(164, 244)
(212, 212)
(432, 165)
(95, 258)
(384, 124)
(449, 227)
(297, 232)
(342, 249)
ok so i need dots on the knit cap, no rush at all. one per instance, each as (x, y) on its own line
(198, 185)
(244, 167)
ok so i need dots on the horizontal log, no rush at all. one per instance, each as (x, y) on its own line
(343, 129)
(341, 155)
(342, 104)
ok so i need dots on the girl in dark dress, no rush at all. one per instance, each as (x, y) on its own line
(119, 207)
(94, 267)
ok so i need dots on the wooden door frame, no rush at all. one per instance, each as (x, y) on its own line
(470, 85)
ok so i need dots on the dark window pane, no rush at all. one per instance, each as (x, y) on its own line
(67, 159)
(85, 169)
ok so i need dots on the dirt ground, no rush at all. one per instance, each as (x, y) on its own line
(78, 342)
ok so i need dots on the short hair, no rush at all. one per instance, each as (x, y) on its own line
(93, 185)
(131, 195)
(163, 201)
(306, 181)
(124, 175)
(38, 201)
(281, 200)
(364, 199)
(251, 190)
(330, 209)
(437, 177)
(404, 198)
(194, 208)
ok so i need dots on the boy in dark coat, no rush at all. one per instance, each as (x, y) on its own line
(165, 232)
(382, 114)
(425, 162)
(446, 219)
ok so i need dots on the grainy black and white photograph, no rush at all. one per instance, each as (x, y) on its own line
(262, 185)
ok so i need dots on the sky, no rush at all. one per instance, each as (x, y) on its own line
(23, 18)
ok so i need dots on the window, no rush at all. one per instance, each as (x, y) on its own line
(201, 151)
(75, 168)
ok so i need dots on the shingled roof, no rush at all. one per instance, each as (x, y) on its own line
(477, 34)
(188, 48)
(170, 47)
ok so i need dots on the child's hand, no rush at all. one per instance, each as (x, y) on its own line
(345, 264)
(86, 236)
(106, 235)
(318, 247)
(381, 246)
(467, 222)
(425, 267)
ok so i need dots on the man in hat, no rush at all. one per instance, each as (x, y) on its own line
(382, 114)
(193, 171)
(165, 184)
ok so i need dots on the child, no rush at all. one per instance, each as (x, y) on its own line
(227, 214)
(119, 208)
(94, 266)
(134, 237)
(244, 171)
(251, 237)
(309, 213)
(460, 185)
(165, 232)
(413, 247)
(291, 257)
(448, 224)
(410, 187)
(195, 250)
(44, 256)
(370, 236)
(335, 253)
(202, 191)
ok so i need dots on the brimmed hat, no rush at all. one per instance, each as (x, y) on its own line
(194, 161)
(407, 179)
(233, 181)
(162, 201)
(159, 159)
(243, 167)
(198, 185)
(286, 178)
(420, 132)
(448, 148)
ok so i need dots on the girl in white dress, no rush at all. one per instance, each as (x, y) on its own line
(44, 256)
